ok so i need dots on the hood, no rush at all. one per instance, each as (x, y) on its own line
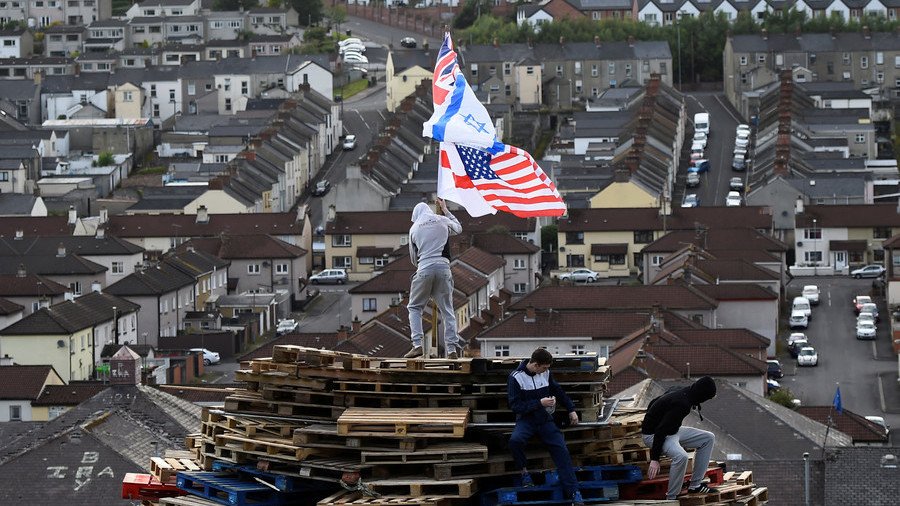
(421, 212)
(702, 390)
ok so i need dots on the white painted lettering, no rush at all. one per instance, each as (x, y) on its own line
(90, 457)
(107, 471)
(57, 471)
(83, 476)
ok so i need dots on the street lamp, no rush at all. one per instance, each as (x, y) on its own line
(815, 257)
(678, 28)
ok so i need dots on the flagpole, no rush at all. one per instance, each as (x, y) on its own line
(837, 399)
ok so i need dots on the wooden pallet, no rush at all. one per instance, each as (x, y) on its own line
(301, 411)
(345, 498)
(165, 469)
(287, 353)
(392, 388)
(326, 436)
(187, 500)
(623, 456)
(271, 448)
(616, 445)
(494, 466)
(256, 378)
(424, 487)
(422, 422)
(439, 453)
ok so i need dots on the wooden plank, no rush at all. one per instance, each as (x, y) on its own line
(460, 452)
(326, 436)
(431, 422)
(422, 487)
(344, 497)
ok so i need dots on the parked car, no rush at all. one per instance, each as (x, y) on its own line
(693, 180)
(869, 271)
(696, 154)
(879, 421)
(408, 42)
(733, 199)
(743, 128)
(740, 151)
(352, 46)
(209, 357)
(858, 302)
(286, 326)
(772, 386)
(802, 304)
(742, 141)
(798, 320)
(774, 369)
(691, 200)
(585, 275)
(738, 163)
(699, 166)
(866, 330)
(697, 146)
(700, 138)
(736, 184)
(338, 276)
(796, 346)
(811, 292)
(866, 317)
(350, 40)
(808, 357)
(321, 188)
(355, 58)
(872, 308)
(796, 336)
(349, 142)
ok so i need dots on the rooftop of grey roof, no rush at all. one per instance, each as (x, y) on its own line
(831, 185)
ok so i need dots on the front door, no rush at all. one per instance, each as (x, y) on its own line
(840, 260)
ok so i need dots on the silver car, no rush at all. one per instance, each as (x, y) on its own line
(584, 275)
(338, 276)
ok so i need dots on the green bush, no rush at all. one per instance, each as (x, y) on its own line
(784, 397)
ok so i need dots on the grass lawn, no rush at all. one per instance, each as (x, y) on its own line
(352, 88)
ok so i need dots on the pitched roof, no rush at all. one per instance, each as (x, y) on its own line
(186, 225)
(24, 382)
(615, 297)
(209, 394)
(849, 216)
(154, 280)
(592, 324)
(682, 218)
(72, 394)
(736, 291)
(499, 243)
(388, 281)
(195, 262)
(35, 226)
(49, 265)
(233, 247)
(8, 307)
(466, 281)
(323, 340)
(481, 260)
(73, 244)
(13, 285)
(716, 239)
(398, 222)
(376, 341)
(70, 316)
(729, 338)
(848, 422)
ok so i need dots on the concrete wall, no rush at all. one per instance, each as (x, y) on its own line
(759, 316)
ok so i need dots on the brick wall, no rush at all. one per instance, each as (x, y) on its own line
(785, 480)
(854, 476)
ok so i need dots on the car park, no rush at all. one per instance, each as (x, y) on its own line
(811, 292)
(349, 142)
(733, 199)
(338, 276)
(736, 184)
(858, 302)
(408, 42)
(693, 180)
(699, 166)
(866, 330)
(871, 308)
(808, 357)
(774, 369)
(209, 357)
(739, 163)
(286, 326)
(869, 271)
(798, 320)
(586, 275)
(796, 346)
(691, 200)
(321, 188)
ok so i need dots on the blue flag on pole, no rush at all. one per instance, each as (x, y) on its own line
(837, 401)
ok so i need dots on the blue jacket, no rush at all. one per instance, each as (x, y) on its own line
(526, 390)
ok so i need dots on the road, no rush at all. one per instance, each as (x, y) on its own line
(723, 121)
(843, 359)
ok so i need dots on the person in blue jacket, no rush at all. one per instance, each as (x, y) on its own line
(533, 397)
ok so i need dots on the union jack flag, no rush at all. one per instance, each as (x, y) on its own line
(445, 71)
(504, 178)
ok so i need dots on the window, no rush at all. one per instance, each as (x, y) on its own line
(281, 268)
(611, 68)
(156, 110)
(603, 258)
(846, 58)
(75, 286)
(192, 88)
(519, 263)
(617, 259)
(559, 70)
(656, 259)
(860, 138)
(501, 350)
(495, 88)
(812, 233)
(366, 260)
(15, 412)
(643, 236)
(879, 58)
(245, 87)
(341, 262)
(4, 176)
(813, 256)
(529, 70)
(628, 70)
(830, 67)
(380, 262)
(507, 90)
(663, 68)
(863, 62)
(473, 69)
(370, 304)
(492, 70)
(227, 104)
(118, 267)
(594, 71)
(342, 240)
(574, 237)
(520, 287)
(253, 269)
(650, 19)
(153, 90)
(578, 349)
(760, 58)
(881, 232)
(575, 261)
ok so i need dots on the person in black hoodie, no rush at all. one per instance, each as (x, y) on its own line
(533, 397)
(663, 433)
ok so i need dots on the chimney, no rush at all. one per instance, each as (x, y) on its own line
(530, 315)
(798, 207)
(21, 272)
(69, 296)
(104, 215)
(355, 325)
(20, 234)
(73, 215)
(866, 32)
(202, 215)
(95, 287)
(496, 42)
(61, 250)
(622, 175)
(765, 34)
(562, 40)
(631, 40)
(101, 232)
(342, 333)
(597, 40)
(39, 76)
(331, 214)
(6, 360)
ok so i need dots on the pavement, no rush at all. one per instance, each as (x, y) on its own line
(889, 392)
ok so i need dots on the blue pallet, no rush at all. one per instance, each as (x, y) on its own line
(591, 492)
(617, 474)
(228, 490)
(282, 482)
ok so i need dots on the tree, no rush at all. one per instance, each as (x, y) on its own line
(337, 15)
(784, 397)
(105, 159)
(549, 239)
(309, 11)
(233, 5)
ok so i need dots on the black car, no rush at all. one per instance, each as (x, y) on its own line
(321, 188)
(795, 347)
(774, 371)
(408, 42)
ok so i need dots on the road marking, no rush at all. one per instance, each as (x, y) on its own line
(363, 120)
(727, 109)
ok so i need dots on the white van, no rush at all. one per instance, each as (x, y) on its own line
(701, 122)
(802, 304)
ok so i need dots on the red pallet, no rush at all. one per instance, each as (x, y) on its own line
(147, 487)
(657, 488)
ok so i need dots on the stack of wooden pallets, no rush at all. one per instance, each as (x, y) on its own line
(417, 432)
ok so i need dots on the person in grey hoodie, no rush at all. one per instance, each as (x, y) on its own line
(429, 252)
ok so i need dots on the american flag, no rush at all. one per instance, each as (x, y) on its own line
(445, 71)
(506, 178)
